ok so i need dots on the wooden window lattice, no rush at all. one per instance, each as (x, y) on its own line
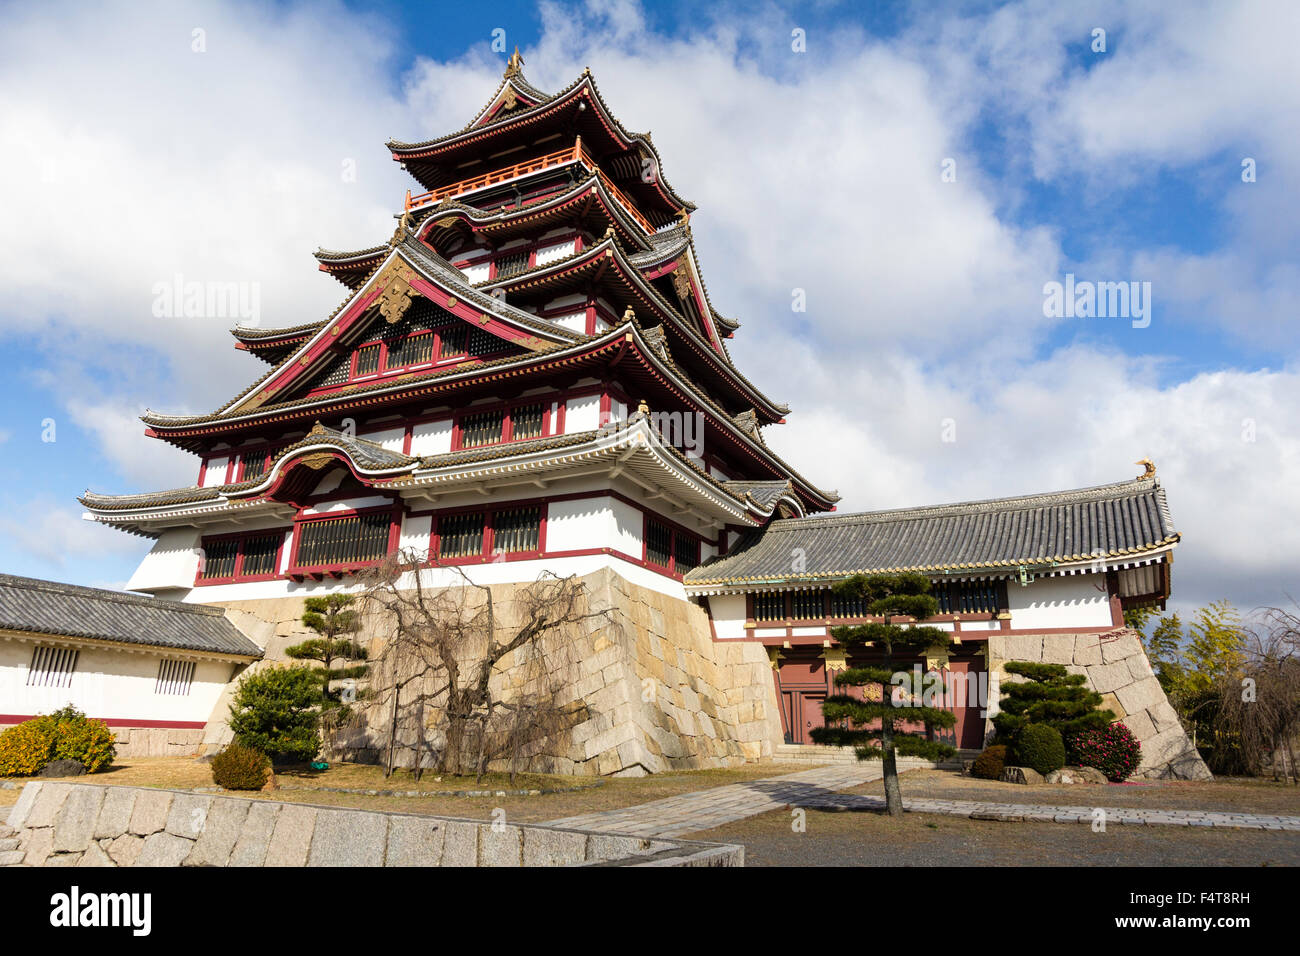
(174, 678)
(461, 536)
(51, 666)
(516, 530)
(352, 540)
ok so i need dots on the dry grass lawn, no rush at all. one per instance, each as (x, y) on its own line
(183, 773)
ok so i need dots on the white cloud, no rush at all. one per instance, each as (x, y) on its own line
(126, 158)
(54, 533)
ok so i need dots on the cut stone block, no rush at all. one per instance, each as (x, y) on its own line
(149, 815)
(460, 845)
(19, 812)
(415, 841)
(225, 819)
(499, 846)
(125, 850)
(344, 838)
(164, 849)
(188, 815)
(76, 825)
(250, 849)
(48, 803)
(115, 814)
(544, 847)
(291, 839)
(1141, 695)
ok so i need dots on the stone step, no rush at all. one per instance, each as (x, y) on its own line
(8, 843)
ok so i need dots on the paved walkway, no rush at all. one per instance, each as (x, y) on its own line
(705, 809)
(818, 789)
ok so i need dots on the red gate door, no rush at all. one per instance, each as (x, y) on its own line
(966, 700)
(802, 680)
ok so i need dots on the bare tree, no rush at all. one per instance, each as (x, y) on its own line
(1258, 710)
(441, 648)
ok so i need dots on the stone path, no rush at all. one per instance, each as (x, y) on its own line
(818, 789)
(705, 809)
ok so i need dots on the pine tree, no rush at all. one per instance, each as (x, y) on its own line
(333, 618)
(1049, 695)
(872, 727)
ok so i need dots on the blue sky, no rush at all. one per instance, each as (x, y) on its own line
(128, 157)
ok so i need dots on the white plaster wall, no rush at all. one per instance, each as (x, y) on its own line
(109, 683)
(574, 322)
(431, 438)
(628, 527)
(1076, 600)
(580, 524)
(347, 504)
(391, 438)
(728, 615)
(172, 563)
(548, 254)
(582, 414)
(477, 273)
(216, 473)
(416, 530)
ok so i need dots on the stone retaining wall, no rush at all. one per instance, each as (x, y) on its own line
(64, 824)
(1115, 666)
(653, 692)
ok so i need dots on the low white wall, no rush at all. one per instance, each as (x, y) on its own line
(109, 684)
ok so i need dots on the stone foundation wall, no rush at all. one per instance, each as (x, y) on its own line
(61, 824)
(652, 692)
(1115, 666)
(153, 741)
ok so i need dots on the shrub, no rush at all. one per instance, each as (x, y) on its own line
(1040, 747)
(25, 749)
(1049, 694)
(66, 734)
(240, 768)
(89, 742)
(988, 765)
(1114, 751)
(274, 712)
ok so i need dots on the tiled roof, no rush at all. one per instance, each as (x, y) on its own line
(762, 493)
(1125, 518)
(47, 607)
(368, 455)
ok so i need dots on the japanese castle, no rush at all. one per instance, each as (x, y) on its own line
(530, 375)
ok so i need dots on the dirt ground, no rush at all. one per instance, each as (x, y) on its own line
(872, 839)
(1229, 794)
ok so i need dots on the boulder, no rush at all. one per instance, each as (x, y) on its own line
(62, 768)
(1023, 775)
(1077, 775)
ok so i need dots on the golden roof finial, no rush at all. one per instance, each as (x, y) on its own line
(514, 64)
(1150, 468)
(643, 408)
(628, 314)
(684, 217)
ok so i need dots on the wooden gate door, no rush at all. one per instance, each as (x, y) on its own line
(965, 699)
(802, 683)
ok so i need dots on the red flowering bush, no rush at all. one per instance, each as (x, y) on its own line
(1114, 751)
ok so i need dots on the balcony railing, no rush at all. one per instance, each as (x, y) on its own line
(573, 154)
